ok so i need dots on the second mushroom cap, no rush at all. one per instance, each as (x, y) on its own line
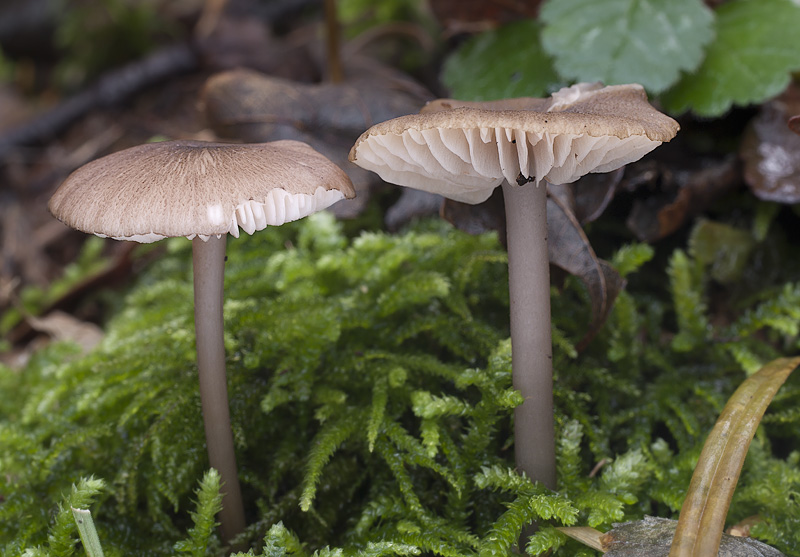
(463, 150)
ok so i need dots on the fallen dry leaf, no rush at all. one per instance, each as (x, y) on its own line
(477, 219)
(569, 249)
(794, 124)
(594, 192)
(676, 195)
(771, 152)
(115, 272)
(61, 326)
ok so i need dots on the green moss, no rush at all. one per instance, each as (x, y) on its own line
(370, 388)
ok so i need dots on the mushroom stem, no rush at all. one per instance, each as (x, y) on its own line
(209, 274)
(531, 343)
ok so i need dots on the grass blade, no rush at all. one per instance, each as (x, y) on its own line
(702, 517)
(87, 532)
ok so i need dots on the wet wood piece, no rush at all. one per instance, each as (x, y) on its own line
(653, 536)
(250, 106)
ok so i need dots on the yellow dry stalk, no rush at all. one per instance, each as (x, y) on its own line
(703, 513)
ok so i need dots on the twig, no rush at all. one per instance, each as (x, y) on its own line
(335, 72)
(113, 88)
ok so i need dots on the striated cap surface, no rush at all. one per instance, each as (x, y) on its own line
(196, 188)
(463, 150)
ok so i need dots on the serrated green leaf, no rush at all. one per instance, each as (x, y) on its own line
(506, 62)
(626, 41)
(751, 59)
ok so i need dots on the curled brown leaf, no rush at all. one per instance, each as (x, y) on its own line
(771, 152)
(677, 195)
(794, 124)
(570, 249)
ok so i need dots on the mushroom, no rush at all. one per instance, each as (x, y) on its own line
(463, 150)
(202, 191)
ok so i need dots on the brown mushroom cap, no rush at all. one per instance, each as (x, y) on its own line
(196, 188)
(463, 150)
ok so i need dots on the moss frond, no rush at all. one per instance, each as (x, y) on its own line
(202, 536)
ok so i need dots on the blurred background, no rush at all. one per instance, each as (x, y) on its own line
(80, 79)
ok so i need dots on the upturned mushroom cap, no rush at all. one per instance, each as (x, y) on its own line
(463, 150)
(196, 188)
